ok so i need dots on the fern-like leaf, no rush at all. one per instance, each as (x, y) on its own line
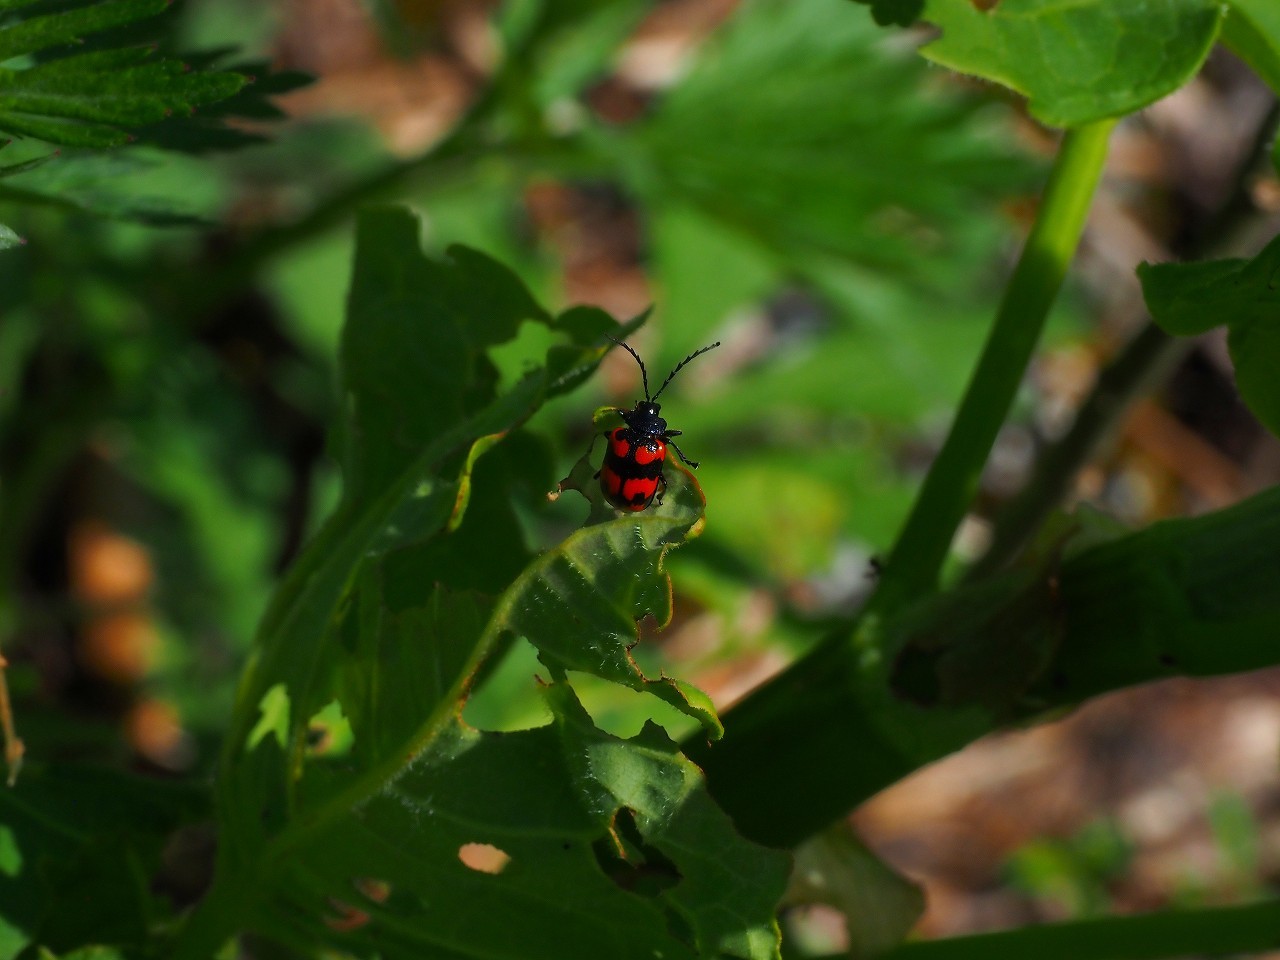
(92, 99)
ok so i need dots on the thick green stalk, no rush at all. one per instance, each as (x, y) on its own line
(808, 745)
(952, 482)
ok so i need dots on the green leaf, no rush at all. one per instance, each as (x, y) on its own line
(13, 169)
(880, 906)
(9, 239)
(610, 575)
(728, 155)
(70, 26)
(143, 185)
(1252, 31)
(380, 630)
(1189, 298)
(596, 846)
(88, 99)
(1255, 352)
(419, 392)
(1180, 597)
(1080, 61)
(78, 848)
(1187, 597)
(85, 953)
(903, 13)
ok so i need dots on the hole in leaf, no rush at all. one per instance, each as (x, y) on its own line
(376, 890)
(346, 918)
(631, 862)
(623, 712)
(508, 696)
(329, 732)
(483, 857)
(819, 928)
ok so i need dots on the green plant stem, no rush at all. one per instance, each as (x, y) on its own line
(1145, 360)
(781, 769)
(1213, 931)
(914, 566)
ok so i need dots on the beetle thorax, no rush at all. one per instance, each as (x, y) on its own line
(644, 419)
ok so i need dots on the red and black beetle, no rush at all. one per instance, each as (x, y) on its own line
(632, 470)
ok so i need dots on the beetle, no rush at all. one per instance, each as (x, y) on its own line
(631, 474)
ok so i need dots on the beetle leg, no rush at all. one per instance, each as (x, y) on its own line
(662, 480)
(692, 463)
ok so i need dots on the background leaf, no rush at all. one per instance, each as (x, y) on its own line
(903, 13)
(78, 849)
(1252, 30)
(1187, 299)
(1081, 61)
(88, 99)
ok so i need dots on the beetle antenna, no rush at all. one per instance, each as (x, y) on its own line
(696, 353)
(644, 374)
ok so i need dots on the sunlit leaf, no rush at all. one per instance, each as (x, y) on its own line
(1252, 31)
(356, 793)
(1080, 61)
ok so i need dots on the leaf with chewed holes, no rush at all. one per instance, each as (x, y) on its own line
(357, 810)
(606, 577)
(584, 844)
(422, 401)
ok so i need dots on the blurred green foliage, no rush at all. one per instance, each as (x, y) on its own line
(192, 344)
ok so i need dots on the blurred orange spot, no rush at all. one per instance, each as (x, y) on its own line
(119, 646)
(107, 568)
(154, 730)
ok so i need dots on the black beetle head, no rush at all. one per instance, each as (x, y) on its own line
(644, 418)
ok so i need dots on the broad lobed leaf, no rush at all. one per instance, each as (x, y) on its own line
(1079, 61)
(421, 573)
(419, 392)
(556, 806)
(1184, 596)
